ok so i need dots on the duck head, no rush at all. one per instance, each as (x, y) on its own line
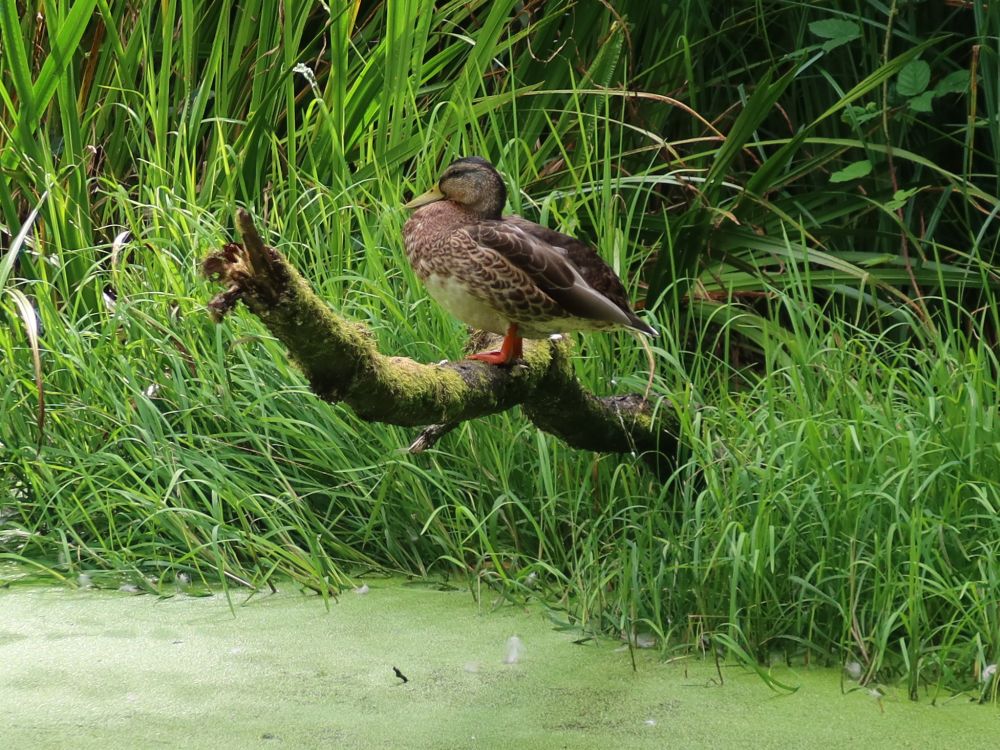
(473, 184)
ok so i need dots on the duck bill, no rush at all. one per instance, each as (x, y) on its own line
(429, 197)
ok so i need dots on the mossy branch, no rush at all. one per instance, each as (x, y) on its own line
(342, 363)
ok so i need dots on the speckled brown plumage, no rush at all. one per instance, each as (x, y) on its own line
(505, 274)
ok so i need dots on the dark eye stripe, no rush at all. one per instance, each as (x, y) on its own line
(455, 173)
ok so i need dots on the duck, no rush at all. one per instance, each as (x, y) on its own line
(505, 274)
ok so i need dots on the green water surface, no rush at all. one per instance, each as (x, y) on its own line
(108, 669)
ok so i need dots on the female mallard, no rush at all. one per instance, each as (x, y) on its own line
(505, 274)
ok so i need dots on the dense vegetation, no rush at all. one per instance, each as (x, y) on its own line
(805, 198)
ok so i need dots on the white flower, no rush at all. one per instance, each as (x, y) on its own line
(306, 72)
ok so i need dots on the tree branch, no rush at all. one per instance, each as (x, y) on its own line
(342, 363)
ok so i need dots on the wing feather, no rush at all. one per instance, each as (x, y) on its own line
(566, 269)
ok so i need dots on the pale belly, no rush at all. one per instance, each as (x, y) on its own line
(454, 297)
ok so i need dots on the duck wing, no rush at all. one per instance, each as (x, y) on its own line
(568, 270)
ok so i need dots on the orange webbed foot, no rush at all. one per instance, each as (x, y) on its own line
(509, 350)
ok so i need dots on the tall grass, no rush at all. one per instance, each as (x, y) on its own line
(804, 197)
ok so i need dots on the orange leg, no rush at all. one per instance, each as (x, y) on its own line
(509, 350)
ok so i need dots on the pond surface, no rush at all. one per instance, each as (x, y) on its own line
(110, 669)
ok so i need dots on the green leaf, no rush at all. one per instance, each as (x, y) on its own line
(836, 29)
(899, 199)
(956, 82)
(922, 103)
(859, 115)
(854, 171)
(913, 78)
(831, 44)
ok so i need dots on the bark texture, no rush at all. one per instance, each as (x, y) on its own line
(343, 364)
